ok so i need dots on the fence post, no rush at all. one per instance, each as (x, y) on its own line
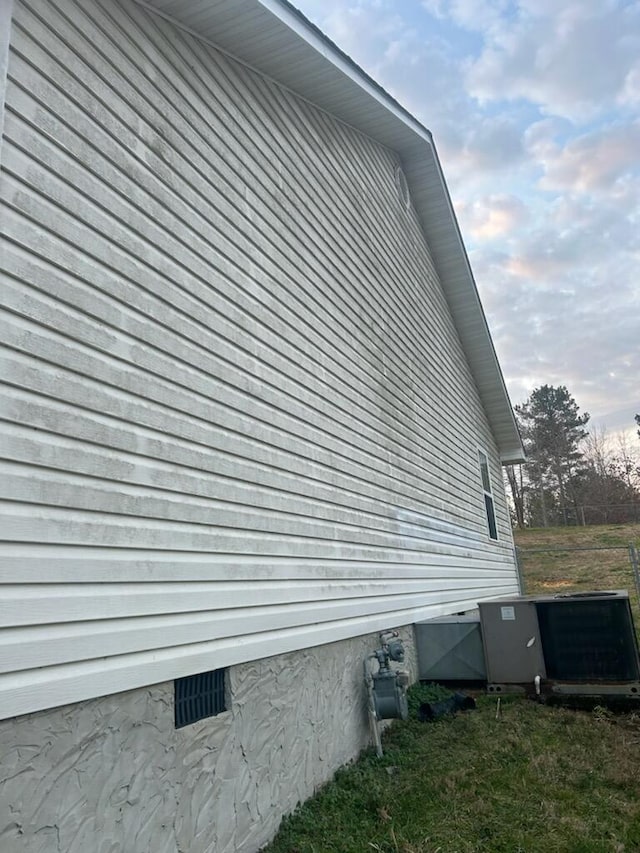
(635, 565)
(516, 551)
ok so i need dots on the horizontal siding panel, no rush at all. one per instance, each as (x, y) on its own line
(49, 158)
(89, 602)
(184, 467)
(29, 484)
(267, 446)
(256, 403)
(274, 209)
(117, 530)
(23, 564)
(72, 345)
(35, 647)
(238, 419)
(51, 686)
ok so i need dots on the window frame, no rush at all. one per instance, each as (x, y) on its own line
(487, 494)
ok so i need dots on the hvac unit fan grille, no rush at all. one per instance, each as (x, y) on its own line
(588, 640)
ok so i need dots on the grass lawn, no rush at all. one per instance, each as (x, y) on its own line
(564, 569)
(533, 778)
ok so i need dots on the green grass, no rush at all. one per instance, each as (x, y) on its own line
(567, 570)
(538, 779)
(533, 779)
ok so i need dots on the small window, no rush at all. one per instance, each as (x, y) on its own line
(488, 496)
(199, 696)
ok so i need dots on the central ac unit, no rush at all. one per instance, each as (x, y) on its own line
(574, 643)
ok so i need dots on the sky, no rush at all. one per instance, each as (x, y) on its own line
(534, 106)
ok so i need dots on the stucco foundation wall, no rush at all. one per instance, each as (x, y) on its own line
(113, 775)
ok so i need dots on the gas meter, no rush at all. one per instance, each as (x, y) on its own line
(388, 686)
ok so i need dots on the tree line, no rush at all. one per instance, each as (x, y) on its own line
(572, 476)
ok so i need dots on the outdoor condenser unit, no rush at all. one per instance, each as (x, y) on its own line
(580, 643)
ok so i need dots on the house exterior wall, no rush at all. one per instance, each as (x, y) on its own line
(6, 10)
(113, 774)
(237, 418)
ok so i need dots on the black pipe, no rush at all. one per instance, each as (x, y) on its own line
(434, 710)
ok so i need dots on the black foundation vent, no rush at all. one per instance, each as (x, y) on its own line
(199, 696)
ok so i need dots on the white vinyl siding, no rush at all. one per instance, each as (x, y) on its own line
(237, 418)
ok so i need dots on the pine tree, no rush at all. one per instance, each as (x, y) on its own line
(552, 430)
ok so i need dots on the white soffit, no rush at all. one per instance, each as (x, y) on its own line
(278, 41)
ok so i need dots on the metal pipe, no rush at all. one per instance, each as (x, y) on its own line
(371, 707)
(635, 566)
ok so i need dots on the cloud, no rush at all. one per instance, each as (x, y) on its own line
(573, 59)
(629, 95)
(492, 142)
(558, 317)
(475, 15)
(492, 217)
(589, 163)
